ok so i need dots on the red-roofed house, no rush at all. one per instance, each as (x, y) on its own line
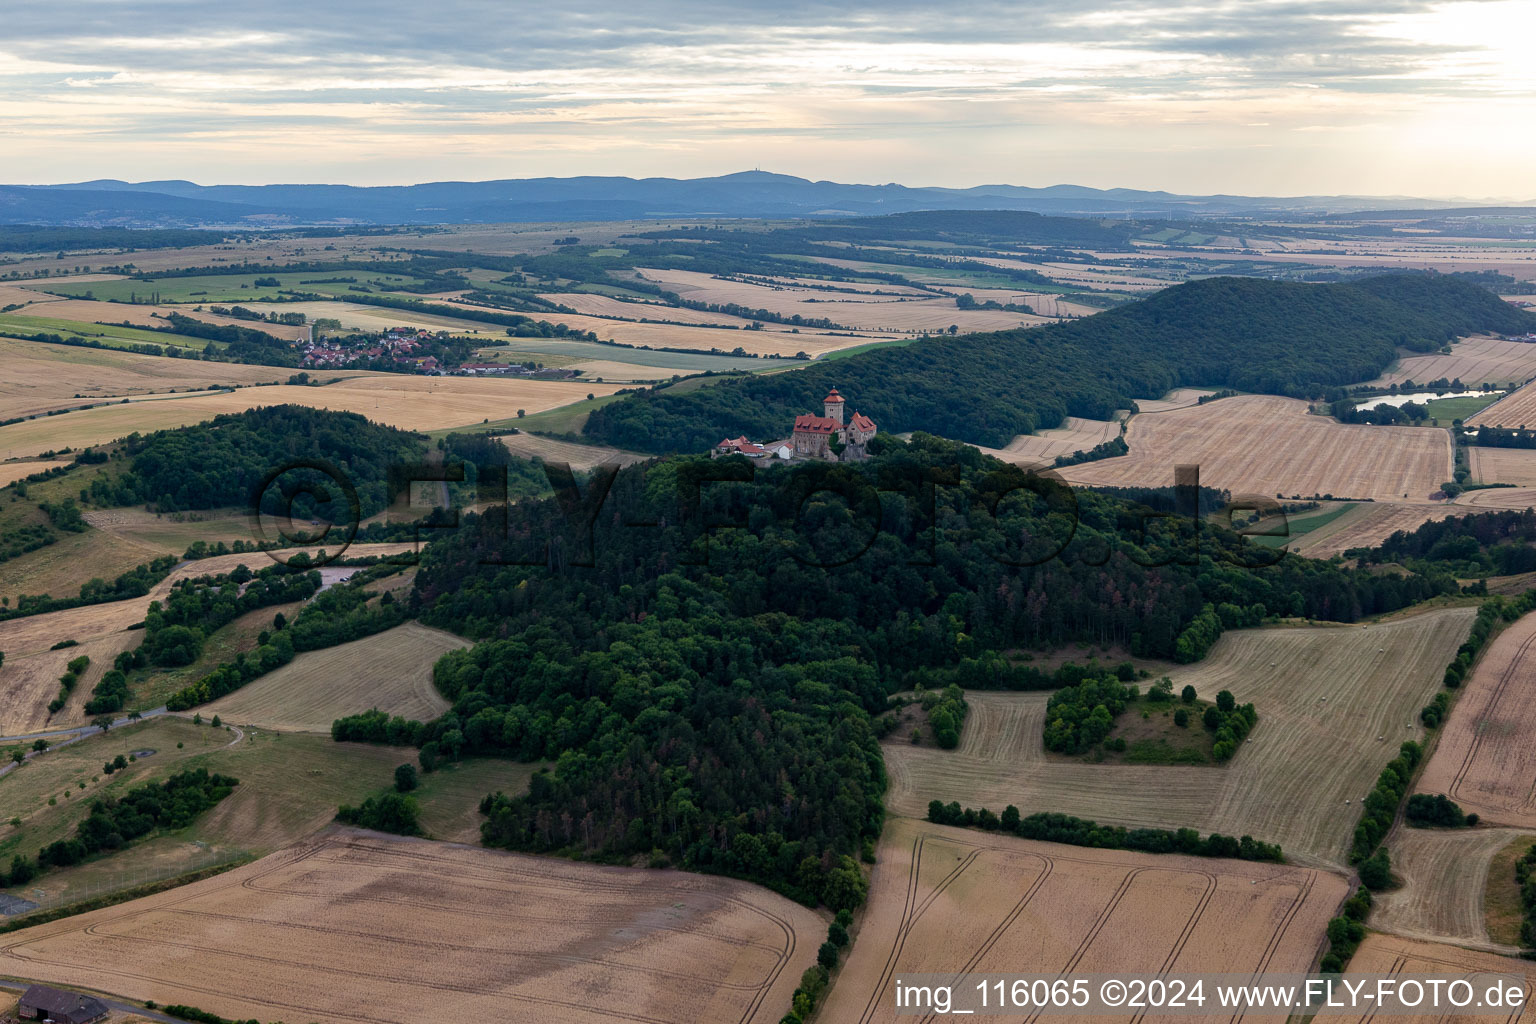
(740, 446)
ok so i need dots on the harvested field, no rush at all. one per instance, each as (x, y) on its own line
(875, 313)
(1516, 409)
(1390, 955)
(398, 400)
(1178, 398)
(357, 927)
(1485, 760)
(1495, 497)
(1503, 465)
(948, 900)
(10, 472)
(1262, 445)
(88, 311)
(765, 342)
(1324, 695)
(1477, 360)
(40, 377)
(1075, 434)
(618, 309)
(391, 671)
(1367, 524)
(159, 532)
(28, 680)
(60, 568)
(580, 456)
(1444, 874)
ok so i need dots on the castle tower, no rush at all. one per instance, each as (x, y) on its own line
(833, 404)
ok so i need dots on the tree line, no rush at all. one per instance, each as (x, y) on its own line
(1051, 827)
(115, 822)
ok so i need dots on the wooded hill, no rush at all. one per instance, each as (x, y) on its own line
(711, 696)
(218, 463)
(1255, 335)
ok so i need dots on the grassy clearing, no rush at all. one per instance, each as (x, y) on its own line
(450, 797)
(290, 787)
(856, 349)
(1153, 737)
(1502, 910)
(568, 419)
(1298, 526)
(1447, 409)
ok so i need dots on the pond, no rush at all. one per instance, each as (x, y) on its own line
(1398, 401)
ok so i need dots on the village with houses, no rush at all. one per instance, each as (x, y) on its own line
(831, 437)
(411, 349)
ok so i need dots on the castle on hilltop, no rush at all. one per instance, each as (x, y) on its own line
(814, 437)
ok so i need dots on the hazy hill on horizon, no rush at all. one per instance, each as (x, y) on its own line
(110, 202)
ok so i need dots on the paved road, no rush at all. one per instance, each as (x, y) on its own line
(64, 737)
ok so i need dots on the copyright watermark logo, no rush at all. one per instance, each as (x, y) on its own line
(305, 503)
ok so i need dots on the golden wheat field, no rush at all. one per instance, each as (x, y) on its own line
(1514, 410)
(1368, 523)
(1503, 465)
(1396, 956)
(1494, 498)
(611, 308)
(948, 901)
(1477, 360)
(1485, 760)
(1444, 874)
(1334, 702)
(1074, 434)
(391, 671)
(397, 400)
(1263, 445)
(10, 472)
(911, 314)
(355, 927)
(39, 377)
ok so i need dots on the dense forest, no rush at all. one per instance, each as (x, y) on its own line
(1479, 544)
(218, 463)
(708, 693)
(1255, 335)
(35, 238)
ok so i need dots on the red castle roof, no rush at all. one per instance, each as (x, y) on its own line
(861, 422)
(809, 424)
(833, 397)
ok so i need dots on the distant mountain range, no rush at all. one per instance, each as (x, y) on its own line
(110, 203)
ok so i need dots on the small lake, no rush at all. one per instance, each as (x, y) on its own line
(1398, 401)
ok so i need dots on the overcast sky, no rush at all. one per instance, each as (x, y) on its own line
(1248, 96)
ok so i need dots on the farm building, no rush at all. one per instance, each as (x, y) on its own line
(43, 1003)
